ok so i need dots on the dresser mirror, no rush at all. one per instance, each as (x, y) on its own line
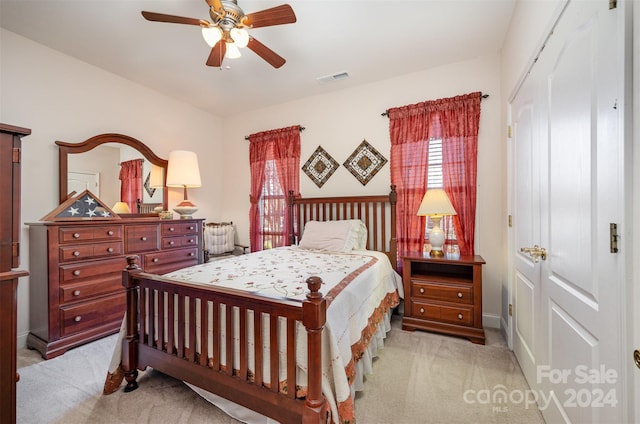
(94, 164)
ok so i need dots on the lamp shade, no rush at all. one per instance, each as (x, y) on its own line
(183, 169)
(121, 207)
(155, 178)
(436, 202)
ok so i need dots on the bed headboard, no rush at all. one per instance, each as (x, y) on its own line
(377, 212)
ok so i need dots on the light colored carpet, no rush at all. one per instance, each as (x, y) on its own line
(419, 377)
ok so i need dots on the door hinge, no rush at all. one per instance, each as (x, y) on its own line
(510, 221)
(613, 237)
(613, 4)
(510, 309)
(509, 132)
(16, 155)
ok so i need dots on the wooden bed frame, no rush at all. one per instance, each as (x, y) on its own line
(203, 369)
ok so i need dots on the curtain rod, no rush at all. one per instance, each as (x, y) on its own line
(246, 137)
(120, 163)
(386, 112)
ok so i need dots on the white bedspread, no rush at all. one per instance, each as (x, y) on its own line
(355, 284)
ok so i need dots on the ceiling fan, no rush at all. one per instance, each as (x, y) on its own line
(227, 31)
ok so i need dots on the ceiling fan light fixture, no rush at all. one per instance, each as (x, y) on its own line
(232, 51)
(211, 35)
(240, 37)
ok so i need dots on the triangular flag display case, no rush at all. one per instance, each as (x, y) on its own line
(85, 206)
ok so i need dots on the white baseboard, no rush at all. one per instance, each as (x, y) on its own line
(491, 320)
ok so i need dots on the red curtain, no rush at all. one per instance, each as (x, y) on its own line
(283, 147)
(131, 183)
(454, 120)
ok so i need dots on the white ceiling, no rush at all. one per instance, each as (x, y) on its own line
(371, 40)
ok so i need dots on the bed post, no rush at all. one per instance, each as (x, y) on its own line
(291, 237)
(393, 243)
(130, 342)
(314, 310)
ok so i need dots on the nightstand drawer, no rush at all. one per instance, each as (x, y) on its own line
(442, 292)
(461, 315)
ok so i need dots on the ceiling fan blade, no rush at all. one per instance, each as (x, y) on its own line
(161, 17)
(266, 53)
(217, 54)
(278, 15)
(216, 4)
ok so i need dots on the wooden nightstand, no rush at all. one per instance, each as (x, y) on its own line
(443, 295)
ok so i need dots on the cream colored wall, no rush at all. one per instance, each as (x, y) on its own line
(60, 98)
(338, 121)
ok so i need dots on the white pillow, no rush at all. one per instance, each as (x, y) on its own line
(335, 236)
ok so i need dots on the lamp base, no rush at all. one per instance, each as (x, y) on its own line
(436, 253)
(185, 209)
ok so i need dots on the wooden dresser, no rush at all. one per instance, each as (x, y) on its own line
(76, 288)
(10, 157)
(443, 295)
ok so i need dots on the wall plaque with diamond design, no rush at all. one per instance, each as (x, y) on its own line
(365, 162)
(320, 166)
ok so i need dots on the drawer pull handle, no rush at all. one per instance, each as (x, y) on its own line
(110, 233)
(460, 295)
(191, 228)
(191, 241)
(171, 229)
(422, 310)
(76, 235)
(171, 243)
(76, 292)
(76, 253)
(143, 238)
(459, 316)
(155, 259)
(421, 290)
(76, 272)
(192, 254)
(78, 318)
(110, 249)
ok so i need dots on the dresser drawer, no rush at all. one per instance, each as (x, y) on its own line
(90, 233)
(178, 228)
(92, 250)
(179, 241)
(70, 293)
(170, 260)
(92, 314)
(461, 315)
(141, 238)
(456, 293)
(92, 270)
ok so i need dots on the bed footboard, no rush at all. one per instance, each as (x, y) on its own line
(214, 338)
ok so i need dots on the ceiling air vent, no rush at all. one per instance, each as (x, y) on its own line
(333, 77)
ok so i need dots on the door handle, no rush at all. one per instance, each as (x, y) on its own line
(535, 252)
(636, 357)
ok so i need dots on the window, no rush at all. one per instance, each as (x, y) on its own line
(434, 180)
(272, 203)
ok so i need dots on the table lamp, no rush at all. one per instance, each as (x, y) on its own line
(183, 171)
(436, 204)
(121, 207)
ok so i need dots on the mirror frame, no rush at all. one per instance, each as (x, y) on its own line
(65, 149)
